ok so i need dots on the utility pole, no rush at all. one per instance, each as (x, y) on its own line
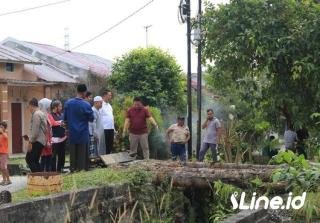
(199, 81)
(66, 39)
(147, 28)
(189, 93)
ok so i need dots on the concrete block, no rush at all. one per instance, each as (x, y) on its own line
(115, 158)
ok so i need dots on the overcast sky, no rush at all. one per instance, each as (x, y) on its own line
(87, 18)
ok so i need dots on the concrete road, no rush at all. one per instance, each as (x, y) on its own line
(18, 183)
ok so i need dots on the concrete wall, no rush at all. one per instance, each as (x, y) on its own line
(89, 205)
(21, 94)
(248, 216)
(17, 74)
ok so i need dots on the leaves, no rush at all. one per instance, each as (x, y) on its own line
(267, 54)
(152, 74)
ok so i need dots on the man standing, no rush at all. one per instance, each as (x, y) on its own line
(136, 123)
(107, 120)
(37, 141)
(88, 97)
(211, 138)
(96, 129)
(78, 113)
(179, 135)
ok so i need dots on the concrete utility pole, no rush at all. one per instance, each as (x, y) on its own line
(147, 28)
(184, 16)
(189, 94)
(66, 39)
(199, 82)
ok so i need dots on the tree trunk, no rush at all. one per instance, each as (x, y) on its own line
(202, 175)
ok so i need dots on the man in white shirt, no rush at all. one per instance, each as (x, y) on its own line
(107, 120)
(97, 143)
(179, 135)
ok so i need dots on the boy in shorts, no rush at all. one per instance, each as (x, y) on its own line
(4, 157)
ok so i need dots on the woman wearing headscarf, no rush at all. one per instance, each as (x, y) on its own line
(46, 155)
(59, 137)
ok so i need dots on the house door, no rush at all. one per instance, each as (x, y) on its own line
(16, 119)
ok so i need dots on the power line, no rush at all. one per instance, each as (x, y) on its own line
(33, 8)
(107, 30)
(113, 26)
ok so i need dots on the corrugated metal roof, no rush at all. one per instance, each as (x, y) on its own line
(8, 55)
(50, 73)
(95, 64)
(12, 82)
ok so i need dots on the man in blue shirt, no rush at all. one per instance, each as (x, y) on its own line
(78, 113)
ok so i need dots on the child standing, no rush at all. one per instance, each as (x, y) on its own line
(4, 157)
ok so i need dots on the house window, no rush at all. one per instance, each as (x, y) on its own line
(9, 67)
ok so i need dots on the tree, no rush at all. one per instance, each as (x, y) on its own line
(268, 54)
(152, 74)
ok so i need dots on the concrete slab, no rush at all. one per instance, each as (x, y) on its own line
(111, 159)
(18, 183)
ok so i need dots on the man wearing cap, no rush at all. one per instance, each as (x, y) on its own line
(178, 135)
(78, 113)
(96, 129)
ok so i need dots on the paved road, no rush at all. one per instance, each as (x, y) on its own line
(18, 183)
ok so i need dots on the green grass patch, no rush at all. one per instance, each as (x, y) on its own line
(22, 161)
(93, 178)
(19, 161)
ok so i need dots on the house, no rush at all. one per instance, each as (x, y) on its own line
(30, 70)
(88, 68)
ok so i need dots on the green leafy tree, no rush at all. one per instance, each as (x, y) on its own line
(152, 74)
(267, 53)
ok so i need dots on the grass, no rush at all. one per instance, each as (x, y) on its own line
(22, 161)
(94, 178)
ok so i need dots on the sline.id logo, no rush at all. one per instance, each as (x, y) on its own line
(276, 202)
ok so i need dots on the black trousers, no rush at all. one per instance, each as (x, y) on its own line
(109, 136)
(46, 163)
(33, 157)
(58, 157)
(78, 157)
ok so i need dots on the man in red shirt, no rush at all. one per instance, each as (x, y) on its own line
(136, 123)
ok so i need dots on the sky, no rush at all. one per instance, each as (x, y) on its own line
(85, 19)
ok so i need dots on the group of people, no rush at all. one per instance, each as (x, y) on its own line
(47, 139)
(50, 128)
(88, 124)
(178, 134)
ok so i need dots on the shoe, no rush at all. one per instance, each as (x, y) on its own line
(2, 183)
(132, 154)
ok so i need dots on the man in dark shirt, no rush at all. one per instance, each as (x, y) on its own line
(136, 123)
(78, 113)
